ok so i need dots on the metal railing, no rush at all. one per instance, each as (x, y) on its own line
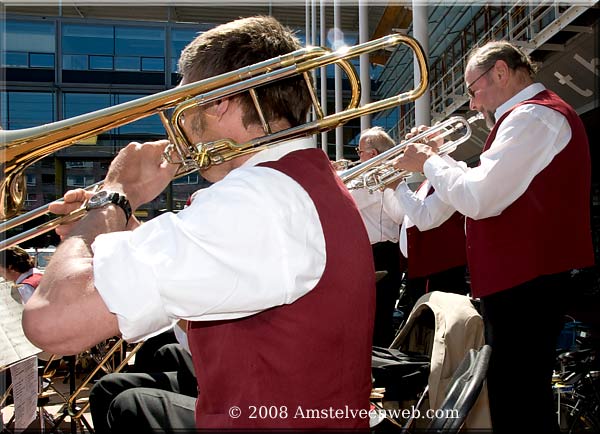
(526, 25)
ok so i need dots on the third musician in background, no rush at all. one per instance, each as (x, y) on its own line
(528, 225)
(382, 217)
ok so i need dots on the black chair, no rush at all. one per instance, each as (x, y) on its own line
(463, 391)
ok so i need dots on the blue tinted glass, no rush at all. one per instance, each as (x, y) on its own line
(80, 103)
(29, 109)
(127, 63)
(87, 39)
(75, 62)
(174, 66)
(180, 38)
(16, 60)
(37, 60)
(153, 64)
(29, 36)
(3, 110)
(149, 125)
(101, 62)
(139, 41)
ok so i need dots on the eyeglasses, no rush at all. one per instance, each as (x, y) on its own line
(360, 151)
(469, 91)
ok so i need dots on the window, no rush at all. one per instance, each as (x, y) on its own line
(80, 103)
(190, 179)
(79, 164)
(139, 41)
(79, 180)
(23, 37)
(16, 60)
(101, 62)
(77, 62)
(38, 60)
(27, 109)
(179, 39)
(149, 125)
(27, 36)
(30, 179)
(30, 199)
(153, 64)
(87, 39)
(127, 63)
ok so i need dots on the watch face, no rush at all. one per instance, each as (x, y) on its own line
(98, 199)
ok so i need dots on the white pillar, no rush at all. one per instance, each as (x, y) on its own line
(323, 43)
(339, 132)
(365, 70)
(421, 34)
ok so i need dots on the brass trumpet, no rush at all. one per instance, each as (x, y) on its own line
(21, 148)
(378, 172)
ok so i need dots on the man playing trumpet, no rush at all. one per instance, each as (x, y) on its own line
(520, 251)
(280, 314)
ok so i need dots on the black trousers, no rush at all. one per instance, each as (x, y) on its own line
(522, 325)
(387, 258)
(148, 402)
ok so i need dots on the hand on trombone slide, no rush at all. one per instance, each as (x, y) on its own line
(138, 171)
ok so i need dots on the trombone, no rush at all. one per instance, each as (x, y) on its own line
(378, 172)
(21, 148)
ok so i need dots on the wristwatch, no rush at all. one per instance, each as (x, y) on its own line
(105, 197)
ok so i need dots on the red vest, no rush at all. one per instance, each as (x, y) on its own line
(436, 249)
(313, 355)
(547, 229)
(33, 280)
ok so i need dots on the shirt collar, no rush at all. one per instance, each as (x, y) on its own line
(276, 152)
(527, 93)
(24, 276)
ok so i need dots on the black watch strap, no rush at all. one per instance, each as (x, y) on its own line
(121, 201)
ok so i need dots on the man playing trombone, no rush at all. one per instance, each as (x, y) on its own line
(528, 225)
(280, 313)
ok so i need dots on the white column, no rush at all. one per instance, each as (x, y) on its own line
(421, 34)
(339, 132)
(365, 73)
(323, 43)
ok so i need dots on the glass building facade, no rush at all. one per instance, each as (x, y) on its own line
(59, 68)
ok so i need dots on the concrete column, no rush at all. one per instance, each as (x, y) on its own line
(421, 34)
(323, 43)
(339, 132)
(365, 70)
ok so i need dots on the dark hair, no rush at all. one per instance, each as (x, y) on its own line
(486, 56)
(17, 259)
(242, 43)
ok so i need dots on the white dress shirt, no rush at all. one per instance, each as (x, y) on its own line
(380, 213)
(245, 244)
(525, 143)
(424, 212)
